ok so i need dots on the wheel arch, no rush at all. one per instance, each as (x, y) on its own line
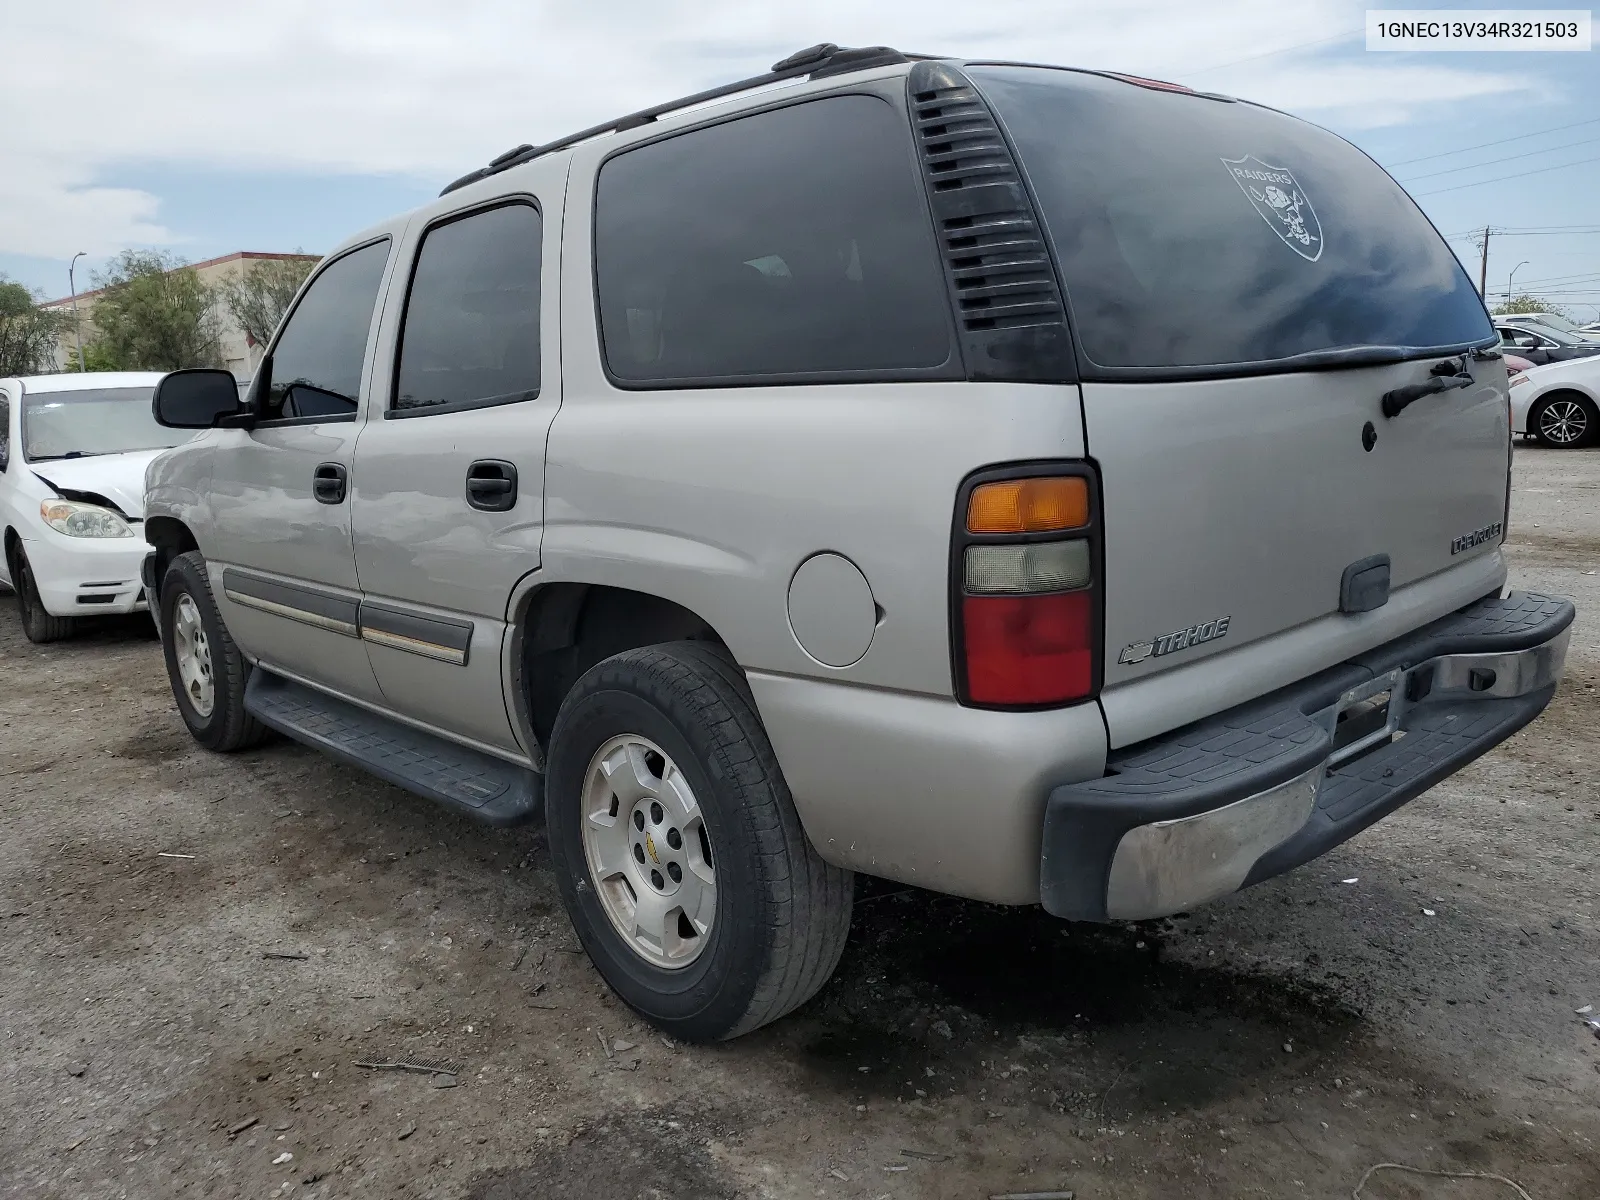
(169, 537)
(559, 629)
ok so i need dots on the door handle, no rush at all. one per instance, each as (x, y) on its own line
(328, 483)
(492, 485)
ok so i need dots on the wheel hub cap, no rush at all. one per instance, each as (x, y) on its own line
(192, 649)
(648, 851)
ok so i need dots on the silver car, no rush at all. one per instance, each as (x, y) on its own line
(1037, 485)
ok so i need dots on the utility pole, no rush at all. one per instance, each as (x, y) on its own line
(77, 321)
(1483, 268)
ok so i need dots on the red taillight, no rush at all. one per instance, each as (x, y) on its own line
(1026, 602)
(1029, 649)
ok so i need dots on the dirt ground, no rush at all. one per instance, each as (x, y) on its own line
(1410, 998)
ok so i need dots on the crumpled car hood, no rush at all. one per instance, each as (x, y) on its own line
(117, 477)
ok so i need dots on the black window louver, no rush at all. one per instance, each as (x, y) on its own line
(1008, 306)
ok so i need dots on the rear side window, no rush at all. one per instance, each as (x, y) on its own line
(789, 244)
(317, 359)
(471, 334)
(1196, 233)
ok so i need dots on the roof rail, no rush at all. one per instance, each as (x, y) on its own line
(819, 61)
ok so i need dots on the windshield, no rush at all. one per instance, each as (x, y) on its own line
(1197, 233)
(99, 421)
(1551, 332)
(1550, 321)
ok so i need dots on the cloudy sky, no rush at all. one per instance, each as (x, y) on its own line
(206, 128)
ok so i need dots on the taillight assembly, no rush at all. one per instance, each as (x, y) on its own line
(1025, 567)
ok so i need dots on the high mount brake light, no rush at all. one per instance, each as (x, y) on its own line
(1159, 85)
(1026, 604)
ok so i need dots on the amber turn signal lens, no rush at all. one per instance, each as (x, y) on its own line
(1029, 505)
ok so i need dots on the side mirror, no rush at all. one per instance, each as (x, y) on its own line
(195, 399)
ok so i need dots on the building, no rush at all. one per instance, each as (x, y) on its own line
(240, 353)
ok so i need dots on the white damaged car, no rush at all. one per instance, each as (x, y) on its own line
(1558, 403)
(73, 450)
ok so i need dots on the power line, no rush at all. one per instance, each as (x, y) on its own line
(1544, 232)
(1567, 282)
(1508, 158)
(1405, 162)
(1514, 175)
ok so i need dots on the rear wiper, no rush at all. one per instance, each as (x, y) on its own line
(1447, 375)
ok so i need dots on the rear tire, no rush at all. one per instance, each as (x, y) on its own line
(1565, 421)
(206, 670)
(39, 626)
(676, 728)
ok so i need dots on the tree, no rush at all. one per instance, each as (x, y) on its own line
(155, 314)
(28, 333)
(259, 296)
(96, 356)
(1526, 304)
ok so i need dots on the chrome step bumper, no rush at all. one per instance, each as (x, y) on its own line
(1255, 791)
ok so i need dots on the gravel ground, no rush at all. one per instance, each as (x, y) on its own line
(1276, 1044)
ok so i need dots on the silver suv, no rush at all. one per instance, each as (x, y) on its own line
(1037, 485)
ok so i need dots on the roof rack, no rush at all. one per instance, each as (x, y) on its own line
(817, 61)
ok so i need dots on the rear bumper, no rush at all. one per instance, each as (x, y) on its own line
(1257, 790)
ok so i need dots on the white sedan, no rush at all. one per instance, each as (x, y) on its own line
(73, 450)
(1558, 403)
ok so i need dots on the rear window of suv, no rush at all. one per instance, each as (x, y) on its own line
(1194, 234)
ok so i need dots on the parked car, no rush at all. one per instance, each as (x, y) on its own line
(1548, 320)
(1540, 344)
(1514, 364)
(728, 487)
(1558, 404)
(73, 451)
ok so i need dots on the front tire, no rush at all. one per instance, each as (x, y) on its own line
(207, 672)
(1565, 421)
(679, 854)
(37, 624)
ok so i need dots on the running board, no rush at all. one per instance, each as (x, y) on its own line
(478, 784)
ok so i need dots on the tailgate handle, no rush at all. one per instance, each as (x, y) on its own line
(1447, 375)
(1365, 585)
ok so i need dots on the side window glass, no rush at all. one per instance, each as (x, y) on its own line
(317, 360)
(471, 332)
(5, 433)
(791, 242)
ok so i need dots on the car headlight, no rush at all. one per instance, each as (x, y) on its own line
(83, 520)
(1518, 379)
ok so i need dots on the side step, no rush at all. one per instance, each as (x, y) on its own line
(459, 777)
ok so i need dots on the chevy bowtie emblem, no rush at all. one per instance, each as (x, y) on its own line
(650, 846)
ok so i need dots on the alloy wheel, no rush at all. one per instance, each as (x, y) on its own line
(648, 851)
(1563, 422)
(192, 650)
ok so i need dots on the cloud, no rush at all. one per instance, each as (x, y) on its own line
(431, 90)
(47, 207)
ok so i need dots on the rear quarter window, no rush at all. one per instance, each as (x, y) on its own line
(788, 245)
(1197, 233)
